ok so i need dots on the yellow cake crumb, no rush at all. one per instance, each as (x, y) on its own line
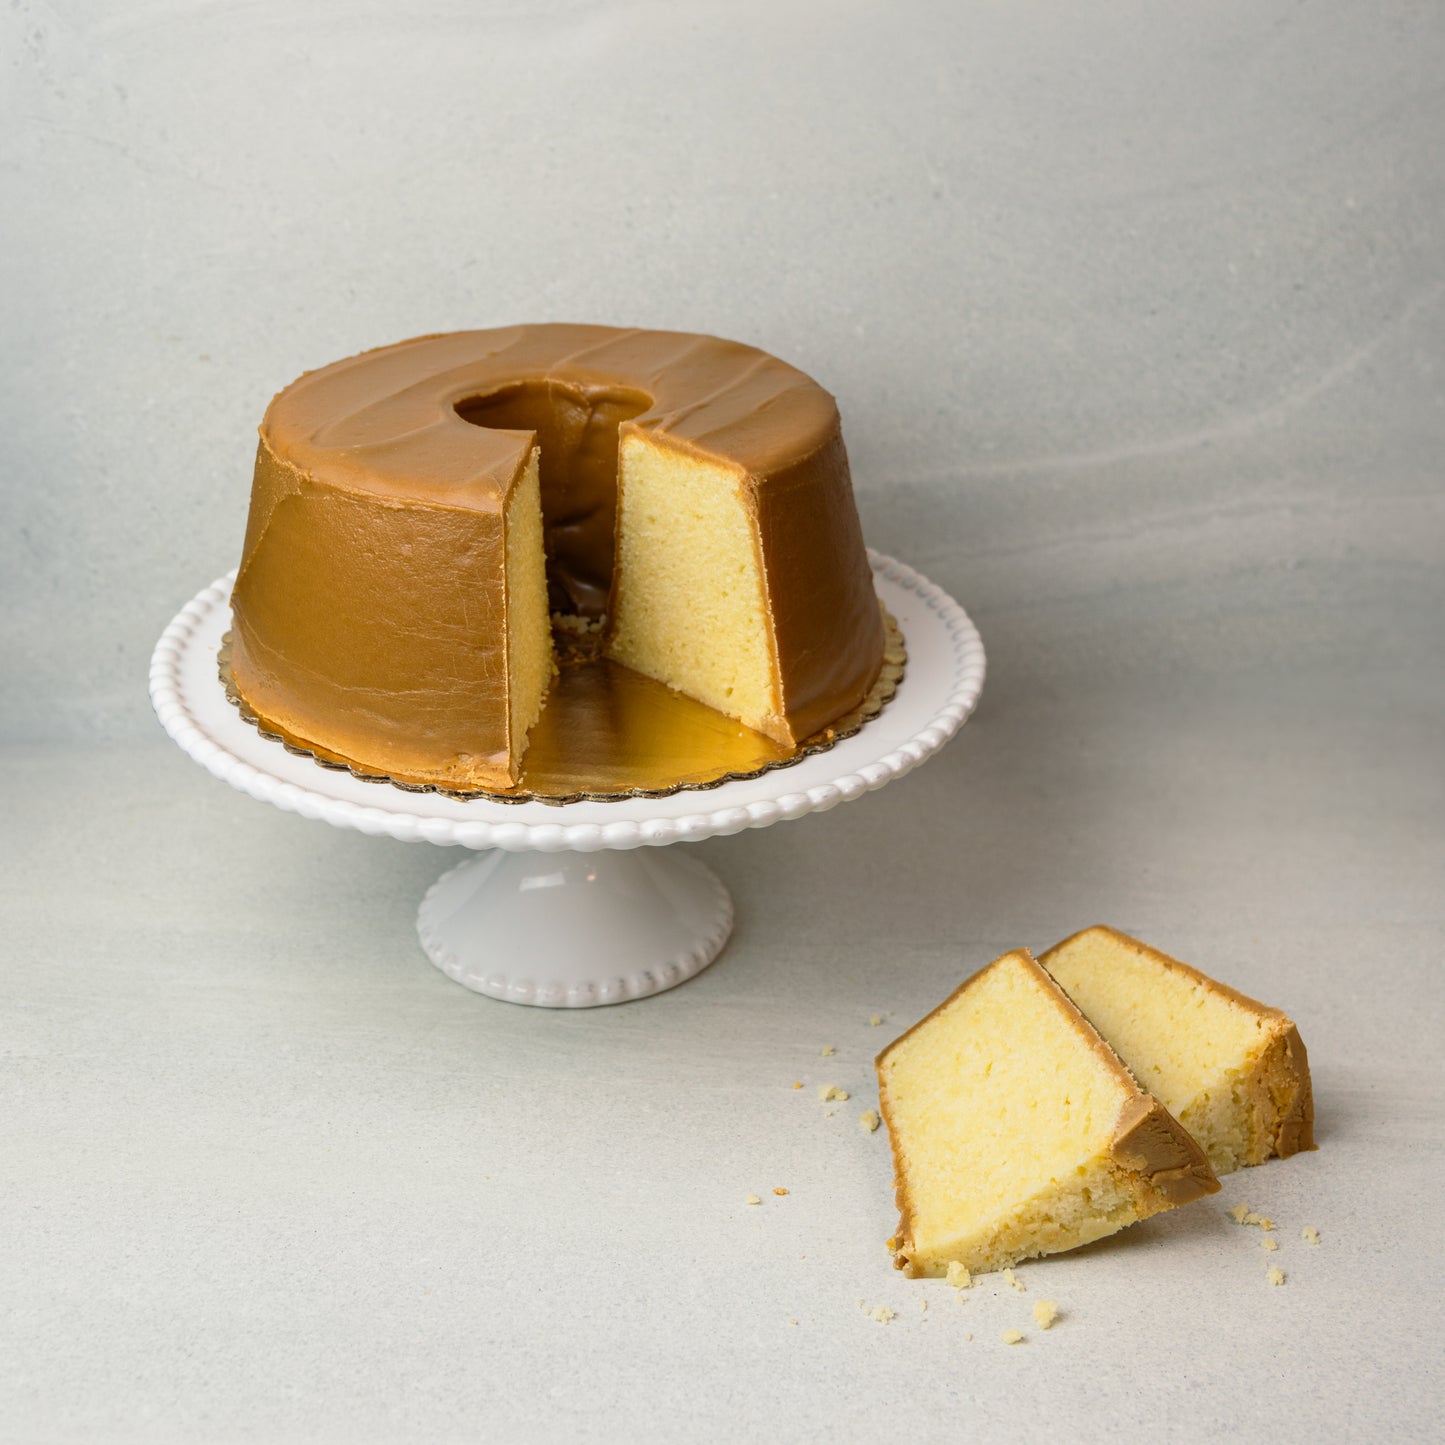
(882, 1314)
(1310, 1234)
(1046, 1311)
(875, 1020)
(1275, 1275)
(968, 1339)
(1258, 1219)
(829, 1092)
(828, 1051)
(958, 1276)
(1239, 1213)
(1014, 1281)
(780, 1190)
(891, 1243)
(1269, 1243)
(1012, 1337)
(578, 626)
(752, 1199)
(797, 1083)
(792, 1319)
(868, 1120)
(923, 1305)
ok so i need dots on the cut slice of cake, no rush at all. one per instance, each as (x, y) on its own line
(1232, 1071)
(1016, 1130)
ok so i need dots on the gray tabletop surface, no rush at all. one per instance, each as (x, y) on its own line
(1136, 318)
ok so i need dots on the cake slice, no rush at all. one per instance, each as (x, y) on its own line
(1232, 1071)
(1016, 1131)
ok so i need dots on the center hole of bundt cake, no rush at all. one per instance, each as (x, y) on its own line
(576, 431)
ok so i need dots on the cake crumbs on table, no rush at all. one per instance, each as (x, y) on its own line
(752, 1199)
(1243, 1214)
(1012, 1337)
(868, 1120)
(828, 1051)
(797, 1083)
(792, 1319)
(882, 1314)
(779, 1190)
(968, 1339)
(1046, 1311)
(1310, 1234)
(1269, 1243)
(958, 1275)
(1275, 1274)
(1014, 1282)
(829, 1092)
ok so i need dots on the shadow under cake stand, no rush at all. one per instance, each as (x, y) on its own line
(581, 903)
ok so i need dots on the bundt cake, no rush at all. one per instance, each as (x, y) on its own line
(420, 514)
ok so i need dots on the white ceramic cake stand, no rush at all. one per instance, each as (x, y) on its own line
(569, 908)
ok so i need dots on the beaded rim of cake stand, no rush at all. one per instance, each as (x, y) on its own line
(168, 700)
(895, 664)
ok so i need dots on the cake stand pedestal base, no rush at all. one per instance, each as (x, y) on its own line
(573, 930)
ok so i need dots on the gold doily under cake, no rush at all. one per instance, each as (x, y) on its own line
(608, 733)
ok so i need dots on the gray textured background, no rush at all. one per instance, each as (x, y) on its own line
(1136, 316)
(1166, 284)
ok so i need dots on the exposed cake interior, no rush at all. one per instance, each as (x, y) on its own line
(1232, 1071)
(690, 603)
(1007, 1115)
(576, 433)
(529, 632)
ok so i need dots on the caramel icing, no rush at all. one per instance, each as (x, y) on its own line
(370, 605)
(608, 733)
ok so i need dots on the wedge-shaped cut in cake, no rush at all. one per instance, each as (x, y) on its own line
(1232, 1071)
(1016, 1131)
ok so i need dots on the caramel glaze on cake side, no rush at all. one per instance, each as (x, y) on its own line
(371, 605)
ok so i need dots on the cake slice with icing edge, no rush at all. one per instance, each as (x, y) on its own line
(1233, 1071)
(1016, 1130)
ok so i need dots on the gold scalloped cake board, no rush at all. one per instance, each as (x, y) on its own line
(608, 733)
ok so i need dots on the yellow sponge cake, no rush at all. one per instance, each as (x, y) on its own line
(1016, 1131)
(1232, 1071)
